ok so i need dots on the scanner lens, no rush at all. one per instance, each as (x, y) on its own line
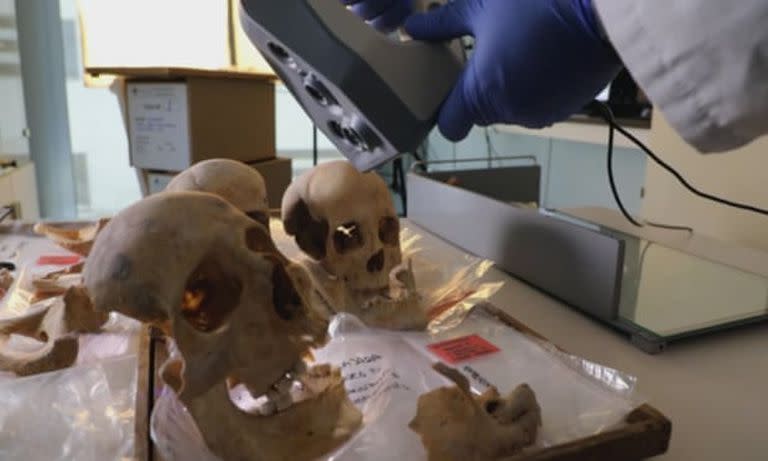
(335, 128)
(318, 91)
(278, 51)
(353, 138)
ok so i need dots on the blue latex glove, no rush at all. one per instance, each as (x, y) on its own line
(536, 62)
(384, 15)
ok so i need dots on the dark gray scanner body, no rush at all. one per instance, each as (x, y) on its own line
(374, 97)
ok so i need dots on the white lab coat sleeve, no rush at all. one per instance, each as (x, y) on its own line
(704, 63)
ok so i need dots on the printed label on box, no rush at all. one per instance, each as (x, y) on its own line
(462, 349)
(159, 125)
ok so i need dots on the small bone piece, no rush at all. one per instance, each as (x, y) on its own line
(51, 286)
(6, 281)
(77, 238)
(235, 182)
(238, 315)
(346, 223)
(55, 326)
(454, 425)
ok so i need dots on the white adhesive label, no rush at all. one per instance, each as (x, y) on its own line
(159, 125)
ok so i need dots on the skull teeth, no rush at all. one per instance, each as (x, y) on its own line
(296, 384)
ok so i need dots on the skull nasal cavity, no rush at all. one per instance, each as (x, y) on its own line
(347, 237)
(376, 263)
(210, 296)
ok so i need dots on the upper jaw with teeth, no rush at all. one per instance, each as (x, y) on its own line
(297, 385)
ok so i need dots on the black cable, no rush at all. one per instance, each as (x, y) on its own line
(668, 226)
(611, 119)
(612, 179)
(686, 184)
(314, 145)
(489, 147)
(617, 197)
(403, 188)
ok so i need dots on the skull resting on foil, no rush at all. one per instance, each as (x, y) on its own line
(212, 279)
(234, 181)
(346, 223)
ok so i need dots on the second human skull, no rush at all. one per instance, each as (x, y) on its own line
(345, 220)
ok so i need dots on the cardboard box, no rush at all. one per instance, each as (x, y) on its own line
(277, 173)
(178, 117)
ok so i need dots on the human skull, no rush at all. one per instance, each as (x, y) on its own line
(345, 220)
(237, 311)
(235, 182)
(213, 279)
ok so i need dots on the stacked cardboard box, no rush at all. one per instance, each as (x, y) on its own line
(178, 117)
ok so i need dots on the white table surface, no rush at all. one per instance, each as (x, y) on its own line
(714, 389)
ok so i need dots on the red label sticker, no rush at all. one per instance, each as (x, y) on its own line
(462, 349)
(58, 260)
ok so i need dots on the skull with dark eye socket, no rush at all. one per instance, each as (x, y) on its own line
(214, 280)
(352, 214)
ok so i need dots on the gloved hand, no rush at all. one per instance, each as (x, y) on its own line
(535, 62)
(384, 15)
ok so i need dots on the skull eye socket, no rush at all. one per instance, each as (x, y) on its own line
(347, 237)
(492, 405)
(260, 217)
(389, 231)
(258, 240)
(311, 235)
(288, 304)
(210, 296)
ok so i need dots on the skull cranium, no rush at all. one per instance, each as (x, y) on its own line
(345, 219)
(234, 181)
(235, 307)
(346, 222)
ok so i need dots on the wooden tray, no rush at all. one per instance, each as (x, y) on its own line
(646, 434)
(144, 398)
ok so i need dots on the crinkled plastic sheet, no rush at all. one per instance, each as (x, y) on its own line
(450, 285)
(386, 372)
(84, 414)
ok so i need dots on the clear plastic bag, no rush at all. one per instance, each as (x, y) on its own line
(85, 413)
(450, 285)
(386, 372)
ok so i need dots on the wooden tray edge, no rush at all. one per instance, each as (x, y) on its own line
(647, 433)
(142, 441)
